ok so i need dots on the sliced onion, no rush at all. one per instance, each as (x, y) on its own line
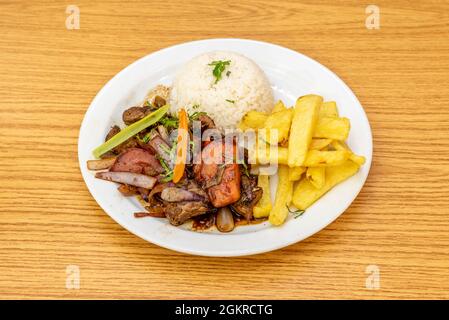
(177, 194)
(224, 220)
(132, 179)
(100, 164)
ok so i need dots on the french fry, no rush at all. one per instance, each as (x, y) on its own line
(295, 173)
(279, 121)
(305, 194)
(332, 128)
(316, 176)
(339, 145)
(305, 116)
(283, 197)
(279, 106)
(329, 109)
(253, 120)
(319, 144)
(269, 157)
(263, 207)
(316, 158)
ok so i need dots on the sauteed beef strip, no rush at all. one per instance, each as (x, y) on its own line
(187, 201)
(112, 132)
(251, 194)
(159, 102)
(179, 212)
(206, 122)
(138, 161)
(134, 114)
(158, 96)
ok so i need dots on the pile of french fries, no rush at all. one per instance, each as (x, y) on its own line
(310, 150)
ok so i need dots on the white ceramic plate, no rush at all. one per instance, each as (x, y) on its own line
(291, 75)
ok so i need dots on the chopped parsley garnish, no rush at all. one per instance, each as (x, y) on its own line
(219, 67)
(145, 139)
(196, 115)
(296, 213)
(230, 101)
(169, 122)
(228, 73)
(168, 175)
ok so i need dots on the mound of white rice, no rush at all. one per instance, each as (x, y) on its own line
(243, 87)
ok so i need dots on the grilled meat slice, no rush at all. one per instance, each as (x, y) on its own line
(138, 161)
(134, 114)
(179, 212)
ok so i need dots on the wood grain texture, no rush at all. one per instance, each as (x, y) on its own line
(48, 220)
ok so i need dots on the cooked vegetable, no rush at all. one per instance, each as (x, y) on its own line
(319, 144)
(130, 178)
(316, 176)
(130, 131)
(339, 145)
(283, 197)
(100, 164)
(173, 194)
(266, 155)
(279, 122)
(332, 128)
(253, 120)
(279, 106)
(295, 173)
(263, 207)
(182, 145)
(224, 220)
(305, 194)
(316, 158)
(329, 109)
(305, 116)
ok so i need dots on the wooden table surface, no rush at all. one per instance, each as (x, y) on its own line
(48, 220)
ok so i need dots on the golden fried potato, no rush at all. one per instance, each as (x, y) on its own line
(316, 176)
(319, 144)
(263, 207)
(305, 116)
(332, 128)
(339, 145)
(274, 155)
(329, 109)
(279, 106)
(279, 122)
(316, 158)
(305, 194)
(283, 197)
(295, 173)
(253, 120)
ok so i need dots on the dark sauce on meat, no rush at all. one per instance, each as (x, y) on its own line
(203, 222)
